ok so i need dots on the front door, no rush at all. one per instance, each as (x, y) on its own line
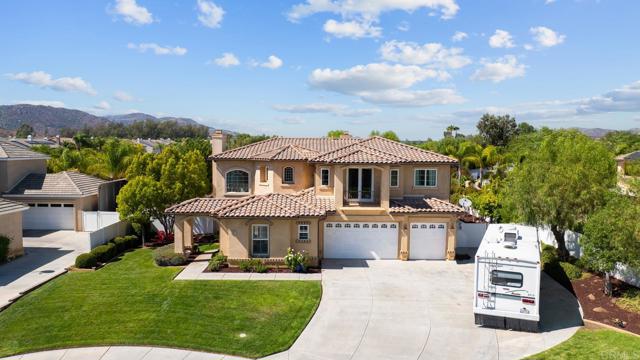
(360, 184)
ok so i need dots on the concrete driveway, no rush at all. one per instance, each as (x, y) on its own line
(47, 254)
(418, 310)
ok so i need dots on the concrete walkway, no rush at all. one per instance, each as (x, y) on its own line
(47, 255)
(393, 310)
(122, 353)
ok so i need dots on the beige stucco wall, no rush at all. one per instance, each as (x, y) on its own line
(407, 188)
(12, 171)
(303, 173)
(221, 167)
(11, 226)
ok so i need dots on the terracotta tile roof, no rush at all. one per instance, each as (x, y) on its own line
(423, 205)
(199, 206)
(62, 184)
(283, 148)
(324, 203)
(379, 150)
(10, 150)
(7, 206)
(270, 205)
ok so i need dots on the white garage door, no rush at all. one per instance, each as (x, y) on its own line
(48, 217)
(428, 241)
(360, 240)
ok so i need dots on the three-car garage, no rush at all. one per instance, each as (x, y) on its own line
(381, 240)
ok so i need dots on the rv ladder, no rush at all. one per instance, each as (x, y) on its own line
(491, 264)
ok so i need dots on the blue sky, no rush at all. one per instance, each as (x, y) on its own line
(304, 67)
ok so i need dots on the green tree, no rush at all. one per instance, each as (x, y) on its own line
(611, 236)
(113, 159)
(24, 131)
(140, 201)
(487, 157)
(336, 134)
(525, 128)
(466, 152)
(497, 130)
(563, 179)
(238, 140)
(386, 134)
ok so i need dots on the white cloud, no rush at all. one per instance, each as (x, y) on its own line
(291, 120)
(548, 2)
(546, 37)
(326, 108)
(459, 36)
(502, 69)
(273, 63)
(432, 54)
(209, 14)
(102, 105)
(417, 98)
(352, 29)
(227, 60)
(52, 103)
(625, 99)
(157, 49)
(368, 9)
(501, 39)
(133, 13)
(45, 80)
(404, 26)
(123, 96)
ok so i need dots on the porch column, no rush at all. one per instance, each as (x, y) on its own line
(188, 233)
(338, 185)
(451, 238)
(384, 186)
(178, 231)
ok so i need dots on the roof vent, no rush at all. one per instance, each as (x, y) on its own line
(510, 239)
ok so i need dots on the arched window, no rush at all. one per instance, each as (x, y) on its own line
(287, 175)
(237, 181)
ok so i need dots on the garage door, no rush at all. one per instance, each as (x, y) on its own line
(360, 240)
(47, 217)
(428, 241)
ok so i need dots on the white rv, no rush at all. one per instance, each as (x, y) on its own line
(507, 278)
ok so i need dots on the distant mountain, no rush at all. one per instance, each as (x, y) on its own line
(597, 133)
(50, 120)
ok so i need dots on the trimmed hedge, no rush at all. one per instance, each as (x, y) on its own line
(105, 252)
(166, 256)
(86, 261)
(253, 265)
(573, 272)
(4, 248)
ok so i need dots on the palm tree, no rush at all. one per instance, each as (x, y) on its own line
(487, 157)
(466, 152)
(113, 160)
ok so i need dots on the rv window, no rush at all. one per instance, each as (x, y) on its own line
(506, 278)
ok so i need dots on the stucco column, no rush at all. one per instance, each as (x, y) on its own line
(384, 187)
(451, 239)
(178, 231)
(338, 185)
(404, 238)
(188, 233)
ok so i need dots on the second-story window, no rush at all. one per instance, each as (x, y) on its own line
(287, 175)
(324, 177)
(425, 178)
(237, 181)
(394, 178)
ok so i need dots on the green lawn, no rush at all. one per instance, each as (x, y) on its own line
(595, 344)
(204, 247)
(134, 302)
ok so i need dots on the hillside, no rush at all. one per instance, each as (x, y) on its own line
(129, 118)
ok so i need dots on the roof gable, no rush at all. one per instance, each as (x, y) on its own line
(282, 148)
(66, 183)
(9, 150)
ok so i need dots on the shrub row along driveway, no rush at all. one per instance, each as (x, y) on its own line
(134, 302)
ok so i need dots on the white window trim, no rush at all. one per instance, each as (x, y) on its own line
(308, 232)
(254, 239)
(424, 186)
(328, 176)
(391, 172)
(237, 192)
(293, 174)
(373, 177)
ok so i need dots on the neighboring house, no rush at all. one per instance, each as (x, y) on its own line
(55, 201)
(622, 160)
(31, 141)
(333, 198)
(11, 225)
(153, 146)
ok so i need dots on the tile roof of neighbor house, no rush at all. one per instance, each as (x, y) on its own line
(62, 184)
(10, 150)
(7, 206)
(374, 150)
(630, 156)
(200, 206)
(423, 205)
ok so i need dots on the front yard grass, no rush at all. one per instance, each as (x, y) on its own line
(134, 302)
(630, 300)
(595, 344)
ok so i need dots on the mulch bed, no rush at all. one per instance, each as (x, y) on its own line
(280, 270)
(599, 307)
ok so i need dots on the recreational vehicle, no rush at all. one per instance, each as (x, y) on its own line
(507, 278)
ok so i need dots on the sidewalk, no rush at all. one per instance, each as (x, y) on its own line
(122, 353)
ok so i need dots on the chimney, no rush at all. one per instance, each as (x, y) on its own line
(345, 135)
(218, 142)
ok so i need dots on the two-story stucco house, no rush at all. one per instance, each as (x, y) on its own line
(334, 198)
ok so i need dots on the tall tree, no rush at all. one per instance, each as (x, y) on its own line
(525, 128)
(389, 134)
(564, 178)
(466, 152)
(24, 131)
(114, 158)
(497, 129)
(612, 236)
(336, 134)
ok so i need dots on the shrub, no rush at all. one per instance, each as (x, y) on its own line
(548, 255)
(296, 261)
(86, 261)
(132, 241)
(252, 265)
(573, 272)
(166, 256)
(217, 261)
(105, 252)
(4, 248)
(121, 244)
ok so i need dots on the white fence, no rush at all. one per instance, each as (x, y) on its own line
(469, 235)
(94, 220)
